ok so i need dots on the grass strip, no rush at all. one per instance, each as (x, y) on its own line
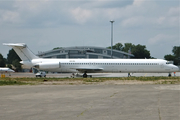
(11, 82)
(36, 81)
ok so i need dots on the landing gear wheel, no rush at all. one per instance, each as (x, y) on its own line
(169, 75)
(85, 75)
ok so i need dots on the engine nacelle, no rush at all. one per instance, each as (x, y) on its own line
(48, 65)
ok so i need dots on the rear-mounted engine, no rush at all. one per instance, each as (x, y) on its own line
(48, 65)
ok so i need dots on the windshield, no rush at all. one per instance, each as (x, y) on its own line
(169, 62)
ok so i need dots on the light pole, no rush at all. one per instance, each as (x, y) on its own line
(112, 37)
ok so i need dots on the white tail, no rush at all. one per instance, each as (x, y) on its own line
(22, 50)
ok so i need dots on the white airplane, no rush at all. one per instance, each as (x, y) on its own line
(92, 65)
(6, 70)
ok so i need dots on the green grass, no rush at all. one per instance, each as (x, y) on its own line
(38, 81)
(11, 82)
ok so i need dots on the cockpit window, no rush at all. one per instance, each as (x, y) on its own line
(169, 62)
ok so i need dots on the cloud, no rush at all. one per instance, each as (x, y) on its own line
(9, 16)
(81, 15)
(161, 19)
(45, 13)
(71, 22)
(174, 11)
(138, 2)
(136, 21)
(170, 19)
(160, 39)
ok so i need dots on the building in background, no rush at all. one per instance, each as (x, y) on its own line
(88, 52)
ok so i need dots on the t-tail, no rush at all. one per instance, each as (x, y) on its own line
(23, 52)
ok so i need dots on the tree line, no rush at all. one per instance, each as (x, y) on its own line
(175, 56)
(12, 61)
(139, 52)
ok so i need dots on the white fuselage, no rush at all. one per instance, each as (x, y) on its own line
(104, 65)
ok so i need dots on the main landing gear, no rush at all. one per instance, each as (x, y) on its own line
(84, 75)
(129, 75)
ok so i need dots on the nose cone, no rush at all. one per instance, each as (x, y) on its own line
(176, 69)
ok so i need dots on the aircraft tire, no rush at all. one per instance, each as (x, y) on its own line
(169, 75)
(84, 75)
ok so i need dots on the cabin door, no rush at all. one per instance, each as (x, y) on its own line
(162, 66)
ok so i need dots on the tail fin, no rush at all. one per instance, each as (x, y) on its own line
(22, 50)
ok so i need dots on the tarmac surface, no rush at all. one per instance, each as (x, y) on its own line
(90, 102)
(63, 75)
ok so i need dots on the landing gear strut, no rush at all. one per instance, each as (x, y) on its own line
(85, 74)
(129, 75)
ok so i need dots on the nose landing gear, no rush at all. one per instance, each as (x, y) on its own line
(169, 75)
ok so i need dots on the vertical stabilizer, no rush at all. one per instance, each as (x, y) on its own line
(23, 51)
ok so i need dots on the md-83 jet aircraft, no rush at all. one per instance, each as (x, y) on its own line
(92, 65)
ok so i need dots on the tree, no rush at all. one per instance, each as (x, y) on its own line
(117, 46)
(9, 66)
(175, 57)
(2, 61)
(176, 51)
(13, 58)
(57, 48)
(169, 57)
(128, 47)
(17, 65)
(140, 51)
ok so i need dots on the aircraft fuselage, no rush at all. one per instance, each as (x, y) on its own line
(105, 65)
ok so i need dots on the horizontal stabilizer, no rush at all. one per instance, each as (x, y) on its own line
(15, 44)
(22, 50)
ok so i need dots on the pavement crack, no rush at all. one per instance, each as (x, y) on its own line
(113, 95)
(82, 112)
(159, 111)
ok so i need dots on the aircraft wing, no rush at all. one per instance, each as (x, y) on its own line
(89, 70)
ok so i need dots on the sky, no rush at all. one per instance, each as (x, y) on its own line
(46, 24)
